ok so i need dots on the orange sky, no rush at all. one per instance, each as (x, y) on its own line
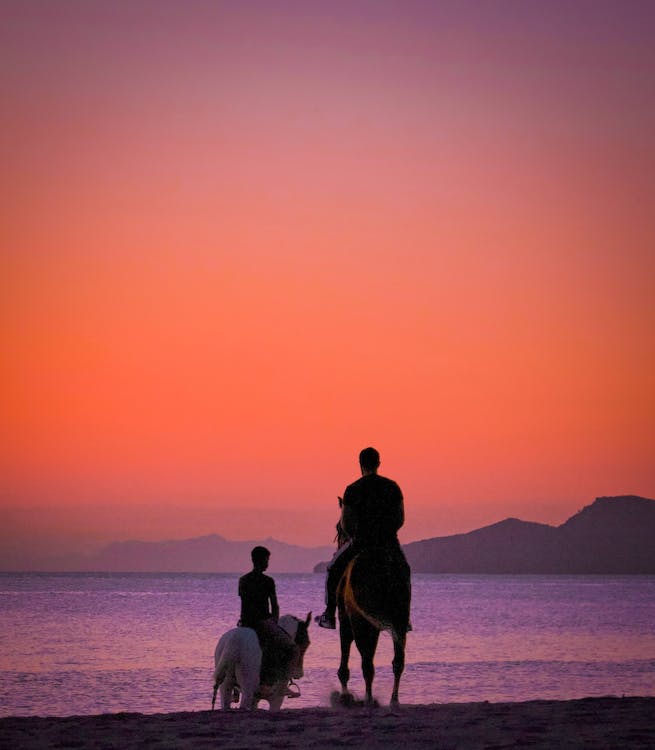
(242, 241)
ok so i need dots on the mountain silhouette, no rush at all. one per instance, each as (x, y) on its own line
(612, 535)
(205, 554)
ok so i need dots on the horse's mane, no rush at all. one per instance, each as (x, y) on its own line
(289, 624)
(294, 627)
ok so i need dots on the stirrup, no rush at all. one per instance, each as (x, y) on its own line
(292, 691)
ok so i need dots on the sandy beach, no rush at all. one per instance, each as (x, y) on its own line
(589, 723)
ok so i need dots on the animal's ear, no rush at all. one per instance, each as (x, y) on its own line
(309, 619)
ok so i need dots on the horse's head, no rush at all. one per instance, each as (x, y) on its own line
(298, 630)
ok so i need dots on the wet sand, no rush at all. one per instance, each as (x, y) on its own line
(587, 723)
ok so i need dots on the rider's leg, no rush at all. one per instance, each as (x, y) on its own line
(335, 569)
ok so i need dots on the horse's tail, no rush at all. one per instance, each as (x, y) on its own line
(350, 600)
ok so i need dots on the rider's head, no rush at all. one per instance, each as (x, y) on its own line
(369, 460)
(260, 557)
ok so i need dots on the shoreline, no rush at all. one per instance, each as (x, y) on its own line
(606, 722)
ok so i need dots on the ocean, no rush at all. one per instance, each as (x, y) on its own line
(73, 644)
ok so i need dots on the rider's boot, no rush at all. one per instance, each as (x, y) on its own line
(327, 619)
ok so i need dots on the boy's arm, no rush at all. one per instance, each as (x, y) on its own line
(241, 597)
(399, 519)
(275, 609)
(348, 521)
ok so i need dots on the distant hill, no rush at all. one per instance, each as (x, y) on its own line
(612, 535)
(205, 554)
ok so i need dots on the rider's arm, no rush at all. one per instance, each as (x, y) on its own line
(349, 520)
(399, 519)
(275, 609)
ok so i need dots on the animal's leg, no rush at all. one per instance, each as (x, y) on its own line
(217, 684)
(247, 675)
(346, 637)
(221, 666)
(367, 648)
(398, 663)
(226, 692)
(248, 682)
(248, 700)
(277, 696)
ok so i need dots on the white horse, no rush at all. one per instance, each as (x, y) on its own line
(238, 661)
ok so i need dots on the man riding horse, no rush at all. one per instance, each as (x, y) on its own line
(372, 511)
(260, 611)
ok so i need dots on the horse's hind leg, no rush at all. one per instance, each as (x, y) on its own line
(398, 663)
(367, 648)
(247, 676)
(346, 638)
(226, 692)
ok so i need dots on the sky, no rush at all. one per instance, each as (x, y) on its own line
(243, 240)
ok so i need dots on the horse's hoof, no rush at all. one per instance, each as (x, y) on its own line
(342, 700)
(335, 695)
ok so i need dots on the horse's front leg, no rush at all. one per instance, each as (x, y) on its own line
(277, 696)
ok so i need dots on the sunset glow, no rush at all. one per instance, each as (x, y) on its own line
(244, 240)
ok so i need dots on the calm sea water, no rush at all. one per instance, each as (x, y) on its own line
(89, 643)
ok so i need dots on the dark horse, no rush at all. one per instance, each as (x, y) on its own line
(373, 595)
